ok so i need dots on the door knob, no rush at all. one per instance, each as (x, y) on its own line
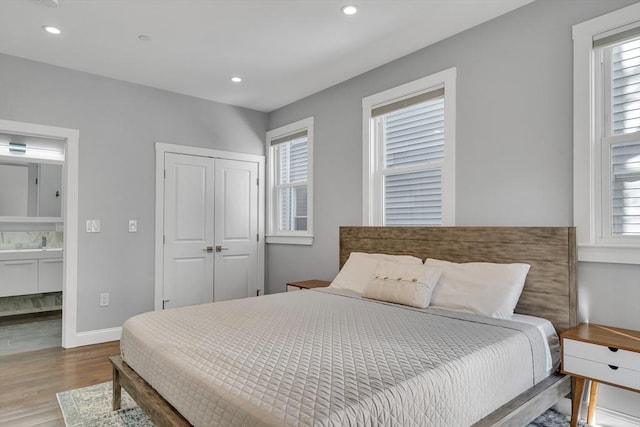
(208, 249)
(220, 249)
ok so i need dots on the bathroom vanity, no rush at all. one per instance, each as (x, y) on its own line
(30, 271)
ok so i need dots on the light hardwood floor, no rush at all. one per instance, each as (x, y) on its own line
(29, 381)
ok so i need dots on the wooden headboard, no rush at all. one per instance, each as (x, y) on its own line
(550, 288)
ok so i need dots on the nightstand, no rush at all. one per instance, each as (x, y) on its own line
(600, 354)
(307, 284)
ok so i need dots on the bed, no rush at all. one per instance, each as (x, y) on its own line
(294, 359)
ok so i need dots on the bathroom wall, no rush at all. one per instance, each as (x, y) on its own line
(16, 240)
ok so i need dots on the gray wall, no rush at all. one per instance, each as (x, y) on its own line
(514, 149)
(119, 123)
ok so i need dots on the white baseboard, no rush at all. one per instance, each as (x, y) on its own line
(96, 337)
(604, 417)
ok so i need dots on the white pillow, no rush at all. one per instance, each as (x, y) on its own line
(359, 269)
(479, 287)
(406, 284)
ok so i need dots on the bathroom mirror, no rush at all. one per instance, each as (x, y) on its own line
(31, 190)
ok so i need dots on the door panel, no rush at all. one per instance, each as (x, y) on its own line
(236, 204)
(188, 230)
(237, 281)
(191, 205)
(191, 275)
(236, 225)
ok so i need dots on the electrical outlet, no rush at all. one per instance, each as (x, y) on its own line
(104, 300)
(133, 225)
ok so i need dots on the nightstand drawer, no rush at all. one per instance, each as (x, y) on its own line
(601, 372)
(602, 354)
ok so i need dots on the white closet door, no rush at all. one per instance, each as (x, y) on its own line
(188, 230)
(236, 225)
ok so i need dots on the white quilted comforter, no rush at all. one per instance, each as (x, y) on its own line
(326, 359)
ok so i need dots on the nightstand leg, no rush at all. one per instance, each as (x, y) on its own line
(593, 398)
(577, 401)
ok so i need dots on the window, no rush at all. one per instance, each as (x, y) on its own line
(290, 198)
(409, 153)
(620, 135)
(607, 137)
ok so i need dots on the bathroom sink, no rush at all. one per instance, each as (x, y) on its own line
(29, 250)
(11, 254)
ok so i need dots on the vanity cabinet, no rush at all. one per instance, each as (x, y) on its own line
(50, 275)
(30, 276)
(18, 277)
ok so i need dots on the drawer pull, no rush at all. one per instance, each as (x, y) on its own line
(613, 367)
(613, 349)
(18, 262)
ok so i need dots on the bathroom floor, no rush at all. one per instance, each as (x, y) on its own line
(30, 332)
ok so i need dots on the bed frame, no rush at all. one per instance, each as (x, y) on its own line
(549, 292)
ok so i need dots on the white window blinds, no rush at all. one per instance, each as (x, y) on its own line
(415, 134)
(625, 189)
(625, 62)
(291, 182)
(622, 134)
(413, 198)
(412, 141)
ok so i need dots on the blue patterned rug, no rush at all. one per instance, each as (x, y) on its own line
(91, 407)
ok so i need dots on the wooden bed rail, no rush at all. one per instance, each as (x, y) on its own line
(155, 406)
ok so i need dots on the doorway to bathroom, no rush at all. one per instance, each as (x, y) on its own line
(38, 236)
(31, 242)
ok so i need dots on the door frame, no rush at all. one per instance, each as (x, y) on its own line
(70, 336)
(161, 149)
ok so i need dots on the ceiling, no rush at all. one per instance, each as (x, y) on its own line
(283, 49)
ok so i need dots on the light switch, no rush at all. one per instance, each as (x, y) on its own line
(93, 226)
(133, 225)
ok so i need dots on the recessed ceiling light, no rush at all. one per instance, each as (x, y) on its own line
(349, 9)
(144, 38)
(236, 79)
(51, 30)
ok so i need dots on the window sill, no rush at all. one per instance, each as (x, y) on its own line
(609, 254)
(290, 240)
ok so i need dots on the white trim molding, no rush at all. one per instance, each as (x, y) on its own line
(290, 240)
(70, 336)
(98, 336)
(592, 247)
(161, 149)
(604, 416)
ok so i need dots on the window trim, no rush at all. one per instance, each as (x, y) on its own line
(274, 236)
(587, 153)
(371, 198)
